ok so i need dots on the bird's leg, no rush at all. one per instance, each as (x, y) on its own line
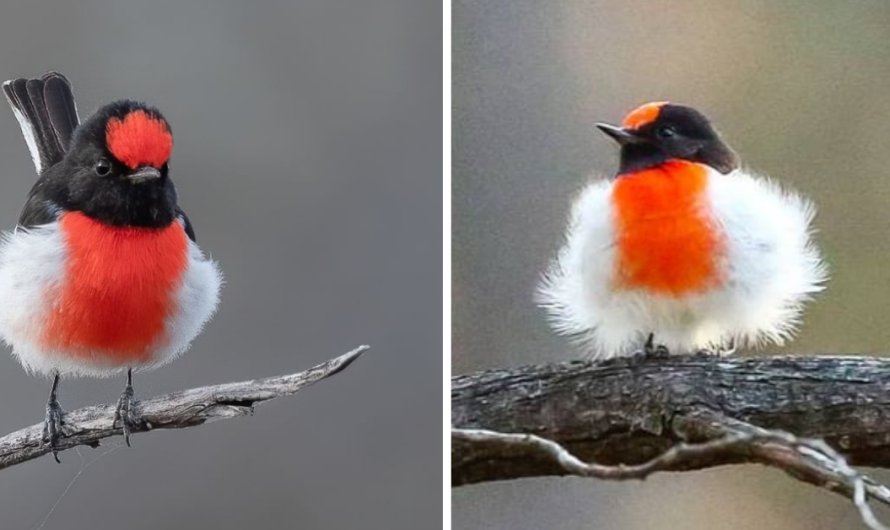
(52, 425)
(651, 351)
(650, 344)
(126, 411)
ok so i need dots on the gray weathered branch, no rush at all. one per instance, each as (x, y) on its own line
(628, 418)
(187, 408)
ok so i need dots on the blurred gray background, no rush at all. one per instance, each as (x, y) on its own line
(308, 155)
(800, 88)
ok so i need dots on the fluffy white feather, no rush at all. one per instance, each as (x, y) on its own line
(32, 266)
(771, 268)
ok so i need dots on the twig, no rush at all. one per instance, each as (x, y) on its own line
(187, 408)
(810, 460)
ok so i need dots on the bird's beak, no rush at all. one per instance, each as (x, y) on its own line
(144, 174)
(620, 134)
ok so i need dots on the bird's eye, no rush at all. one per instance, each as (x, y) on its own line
(665, 132)
(103, 167)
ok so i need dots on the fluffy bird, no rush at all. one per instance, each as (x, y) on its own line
(683, 251)
(102, 273)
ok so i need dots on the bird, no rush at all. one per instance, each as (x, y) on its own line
(102, 273)
(683, 251)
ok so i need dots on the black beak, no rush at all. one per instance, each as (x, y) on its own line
(621, 135)
(144, 174)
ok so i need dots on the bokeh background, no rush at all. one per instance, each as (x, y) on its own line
(308, 155)
(799, 88)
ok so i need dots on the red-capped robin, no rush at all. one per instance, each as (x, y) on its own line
(102, 273)
(683, 251)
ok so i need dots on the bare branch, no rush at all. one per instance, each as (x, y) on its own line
(187, 408)
(810, 460)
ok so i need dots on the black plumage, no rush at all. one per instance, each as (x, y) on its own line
(69, 154)
(46, 105)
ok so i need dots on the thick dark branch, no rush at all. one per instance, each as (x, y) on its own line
(187, 408)
(629, 411)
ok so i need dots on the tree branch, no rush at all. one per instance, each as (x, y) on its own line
(809, 460)
(187, 408)
(634, 417)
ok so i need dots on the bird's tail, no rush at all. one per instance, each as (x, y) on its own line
(47, 114)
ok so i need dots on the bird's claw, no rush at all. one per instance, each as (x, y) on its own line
(52, 427)
(52, 424)
(126, 412)
(653, 351)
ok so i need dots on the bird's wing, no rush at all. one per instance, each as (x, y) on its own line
(38, 211)
(47, 114)
(187, 224)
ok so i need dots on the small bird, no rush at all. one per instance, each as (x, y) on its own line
(683, 251)
(102, 273)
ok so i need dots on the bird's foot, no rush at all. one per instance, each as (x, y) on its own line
(654, 351)
(658, 352)
(127, 412)
(52, 426)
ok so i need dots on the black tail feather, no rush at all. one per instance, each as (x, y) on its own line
(47, 113)
(59, 100)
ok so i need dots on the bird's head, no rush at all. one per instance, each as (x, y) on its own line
(117, 169)
(657, 132)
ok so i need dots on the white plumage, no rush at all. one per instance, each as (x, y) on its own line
(770, 268)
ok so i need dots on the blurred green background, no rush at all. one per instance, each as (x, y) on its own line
(800, 89)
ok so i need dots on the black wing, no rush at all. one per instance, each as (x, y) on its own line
(38, 209)
(189, 229)
(47, 114)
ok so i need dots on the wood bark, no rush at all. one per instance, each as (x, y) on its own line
(628, 411)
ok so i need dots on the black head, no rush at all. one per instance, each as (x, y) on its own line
(657, 132)
(117, 169)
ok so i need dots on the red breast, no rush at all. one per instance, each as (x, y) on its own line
(119, 289)
(666, 242)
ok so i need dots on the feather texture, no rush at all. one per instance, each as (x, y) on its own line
(35, 264)
(47, 114)
(769, 268)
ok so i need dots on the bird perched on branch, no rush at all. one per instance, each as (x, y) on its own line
(683, 251)
(102, 273)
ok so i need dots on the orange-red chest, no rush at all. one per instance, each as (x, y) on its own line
(666, 240)
(120, 287)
